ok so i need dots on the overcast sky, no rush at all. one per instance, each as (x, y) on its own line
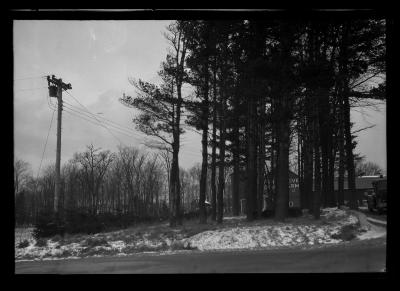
(97, 58)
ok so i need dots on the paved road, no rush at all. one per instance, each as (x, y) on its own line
(362, 256)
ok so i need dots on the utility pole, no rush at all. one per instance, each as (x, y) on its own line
(56, 86)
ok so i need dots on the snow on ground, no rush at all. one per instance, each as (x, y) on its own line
(264, 236)
(284, 234)
(235, 233)
(372, 231)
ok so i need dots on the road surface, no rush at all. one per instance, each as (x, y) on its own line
(360, 256)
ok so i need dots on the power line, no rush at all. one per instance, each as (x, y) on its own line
(99, 121)
(95, 118)
(27, 78)
(96, 122)
(125, 132)
(110, 123)
(102, 118)
(28, 89)
(70, 112)
(45, 145)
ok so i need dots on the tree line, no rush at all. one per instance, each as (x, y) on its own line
(122, 188)
(270, 89)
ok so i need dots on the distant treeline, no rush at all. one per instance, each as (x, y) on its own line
(120, 188)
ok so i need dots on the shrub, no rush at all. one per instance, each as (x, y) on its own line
(48, 225)
(57, 237)
(66, 253)
(23, 244)
(82, 222)
(346, 233)
(41, 242)
(181, 245)
(94, 242)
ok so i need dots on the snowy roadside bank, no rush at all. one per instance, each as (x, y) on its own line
(335, 226)
(280, 234)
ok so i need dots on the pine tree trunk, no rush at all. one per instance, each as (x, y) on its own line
(282, 171)
(341, 156)
(213, 176)
(308, 174)
(203, 175)
(221, 169)
(300, 168)
(251, 181)
(331, 174)
(204, 142)
(236, 161)
(274, 158)
(214, 155)
(348, 144)
(349, 155)
(261, 158)
(317, 169)
(172, 195)
(323, 137)
(236, 174)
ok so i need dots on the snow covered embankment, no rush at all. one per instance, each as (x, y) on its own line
(281, 234)
(335, 226)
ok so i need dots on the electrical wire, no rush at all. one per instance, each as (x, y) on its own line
(109, 123)
(27, 78)
(28, 89)
(103, 122)
(94, 116)
(71, 113)
(115, 124)
(45, 145)
(117, 127)
(96, 122)
(52, 106)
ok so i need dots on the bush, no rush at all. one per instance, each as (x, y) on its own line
(182, 245)
(346, 233)
(82, 222)
(48, 225)
(57, 237)
(41, 242)
(23, 244)
(94, 242)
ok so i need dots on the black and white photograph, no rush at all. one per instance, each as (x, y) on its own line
(226, 142)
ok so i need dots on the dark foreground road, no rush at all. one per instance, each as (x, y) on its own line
(366, 256)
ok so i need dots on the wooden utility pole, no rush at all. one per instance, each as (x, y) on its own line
(55, 90)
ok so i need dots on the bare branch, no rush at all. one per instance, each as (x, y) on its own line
(371, 126)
